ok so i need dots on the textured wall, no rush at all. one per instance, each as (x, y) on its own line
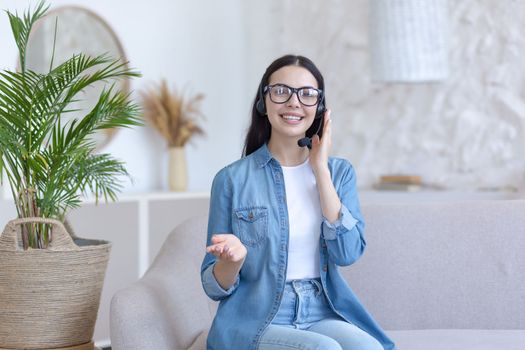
(465, 133)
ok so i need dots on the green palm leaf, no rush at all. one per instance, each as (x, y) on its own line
(21, 27)
(50, 163)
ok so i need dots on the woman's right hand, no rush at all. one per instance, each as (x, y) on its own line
(227, 247)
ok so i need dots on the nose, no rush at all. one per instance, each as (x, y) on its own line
(294, 100)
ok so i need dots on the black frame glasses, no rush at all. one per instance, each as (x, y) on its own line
(297, 91)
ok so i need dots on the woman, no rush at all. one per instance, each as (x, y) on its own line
(282, 219)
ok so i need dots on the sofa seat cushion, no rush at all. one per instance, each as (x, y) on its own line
(440, 339)
(459, 339)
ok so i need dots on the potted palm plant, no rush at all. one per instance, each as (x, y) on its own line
(51, 280)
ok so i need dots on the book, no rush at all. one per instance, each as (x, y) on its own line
(400, 179)
(398, 187)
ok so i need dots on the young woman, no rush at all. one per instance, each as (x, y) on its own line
(282, 219)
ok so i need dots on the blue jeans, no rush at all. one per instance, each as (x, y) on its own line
(306, 321)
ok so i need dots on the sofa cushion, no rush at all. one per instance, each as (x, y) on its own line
(440, 339)
(459, 339)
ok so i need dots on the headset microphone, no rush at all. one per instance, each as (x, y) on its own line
(307, 141)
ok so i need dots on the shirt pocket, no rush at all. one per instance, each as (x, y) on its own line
(252, 225)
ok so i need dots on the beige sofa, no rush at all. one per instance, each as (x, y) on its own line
(447, 276)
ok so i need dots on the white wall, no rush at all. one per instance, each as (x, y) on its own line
(466, 133)
(193, 44)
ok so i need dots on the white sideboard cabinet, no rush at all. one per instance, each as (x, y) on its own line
(137, 226)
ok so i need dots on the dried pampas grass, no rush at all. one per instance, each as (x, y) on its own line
(172, 114)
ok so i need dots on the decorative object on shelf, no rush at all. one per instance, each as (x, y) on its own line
(407, 183)
(408, 40)
(79, 30)
(396, 182)
(401, 179)
(178, 169)
(174, 116)
(51, 280)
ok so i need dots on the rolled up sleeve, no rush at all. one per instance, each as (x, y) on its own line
(345, 222)
(213, 288)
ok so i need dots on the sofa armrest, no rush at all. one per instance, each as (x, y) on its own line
(167, 307)
(138, 308)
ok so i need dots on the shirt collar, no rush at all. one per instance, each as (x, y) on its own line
(262, 155)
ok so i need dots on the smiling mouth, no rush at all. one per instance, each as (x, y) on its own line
(293, 118)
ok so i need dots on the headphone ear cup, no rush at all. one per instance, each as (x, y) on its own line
(320, 109)
(260, 107)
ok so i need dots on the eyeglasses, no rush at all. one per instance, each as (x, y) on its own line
(280, 93)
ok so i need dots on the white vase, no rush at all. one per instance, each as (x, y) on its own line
(177, 169)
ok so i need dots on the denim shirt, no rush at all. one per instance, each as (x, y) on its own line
(248, 199)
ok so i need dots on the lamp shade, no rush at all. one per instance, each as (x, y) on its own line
(408, 40)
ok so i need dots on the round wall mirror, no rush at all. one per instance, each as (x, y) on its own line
(78, 30)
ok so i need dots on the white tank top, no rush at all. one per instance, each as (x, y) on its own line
(305, 218)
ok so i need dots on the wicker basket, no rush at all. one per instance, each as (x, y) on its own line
(87, 346)
(49, 298)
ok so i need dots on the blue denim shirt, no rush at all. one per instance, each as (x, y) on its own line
(248, 199)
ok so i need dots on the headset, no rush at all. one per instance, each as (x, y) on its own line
(260, 106)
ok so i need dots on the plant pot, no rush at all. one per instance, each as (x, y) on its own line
(49, 297)
(177, 169)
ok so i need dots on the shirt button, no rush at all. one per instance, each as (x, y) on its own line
(325, 268)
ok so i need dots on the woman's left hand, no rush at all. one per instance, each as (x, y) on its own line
(321, 147)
